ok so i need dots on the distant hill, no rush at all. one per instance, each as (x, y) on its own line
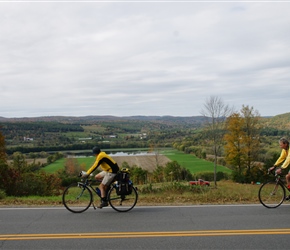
(169, 120)
(281, 121)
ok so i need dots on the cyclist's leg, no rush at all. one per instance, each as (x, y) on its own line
(288, 180)
(107, 180)
(288, 185)
(100, 177)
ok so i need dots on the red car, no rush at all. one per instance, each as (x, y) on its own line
(200, 182)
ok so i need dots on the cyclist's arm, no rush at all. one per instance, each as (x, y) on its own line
(286, 162)
(93, 167)
(282, 157)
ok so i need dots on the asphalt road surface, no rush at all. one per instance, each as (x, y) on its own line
(180, 227)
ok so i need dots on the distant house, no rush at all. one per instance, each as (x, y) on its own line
(27, 139)
(143, 136)
(85, 139)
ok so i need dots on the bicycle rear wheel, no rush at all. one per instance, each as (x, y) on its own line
(122, 203)
(272, 194)
(77, 198)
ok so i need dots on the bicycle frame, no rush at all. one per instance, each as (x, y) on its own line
(278, 180)
(88, 183)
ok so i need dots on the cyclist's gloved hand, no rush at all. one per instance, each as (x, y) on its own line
(83, 174)
(271, 168)
(279, 171)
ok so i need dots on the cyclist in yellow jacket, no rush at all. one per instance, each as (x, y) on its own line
(285, 158)
(109, 170)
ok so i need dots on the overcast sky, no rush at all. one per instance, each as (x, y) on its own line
(127, 58)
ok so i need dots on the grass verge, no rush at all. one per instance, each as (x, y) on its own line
(227, 192)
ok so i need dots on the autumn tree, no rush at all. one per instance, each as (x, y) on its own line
(72, 167)
(242, 141)
(216, 112)
(234, 148)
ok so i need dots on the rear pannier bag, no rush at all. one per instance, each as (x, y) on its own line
(123, 185)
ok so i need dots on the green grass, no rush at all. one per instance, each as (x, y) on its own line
(192, 163)
(85, 162)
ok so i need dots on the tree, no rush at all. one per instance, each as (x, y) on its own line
(173, 171)
(242, 141)
(234, 148)
(19, 162)
(153, 147)
(138, 175)
(216, 112)
(3, 156)
(3, 163)
(252, 136)
(158, 174)
(72, 167)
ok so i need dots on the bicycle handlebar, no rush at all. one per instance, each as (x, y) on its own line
(273, 172)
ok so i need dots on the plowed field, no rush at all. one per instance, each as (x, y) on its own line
(147, 162)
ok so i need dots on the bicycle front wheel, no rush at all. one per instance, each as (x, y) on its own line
(77, 198)
(272, 194)
(122, 203)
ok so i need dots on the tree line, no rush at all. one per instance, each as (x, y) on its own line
(236, 139)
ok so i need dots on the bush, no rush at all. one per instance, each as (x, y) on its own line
(172, 188)
(147, 189)
(66, 181)
(31, 183)
(2, 194)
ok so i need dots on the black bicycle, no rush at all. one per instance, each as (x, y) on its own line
(78, 197)
(273, 193)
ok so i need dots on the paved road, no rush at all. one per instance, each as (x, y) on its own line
(190, 227)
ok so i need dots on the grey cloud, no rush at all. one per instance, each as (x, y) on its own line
(142, 58)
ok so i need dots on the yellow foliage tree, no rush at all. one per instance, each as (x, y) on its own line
(234, 147)
(242, 139)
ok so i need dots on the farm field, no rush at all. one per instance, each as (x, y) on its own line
(149, 162)
(193, 163)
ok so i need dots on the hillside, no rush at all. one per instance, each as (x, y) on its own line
(279, 121)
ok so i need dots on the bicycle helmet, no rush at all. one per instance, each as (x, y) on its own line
(96, 150)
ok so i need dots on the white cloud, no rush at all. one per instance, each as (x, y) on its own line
(141, 58)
